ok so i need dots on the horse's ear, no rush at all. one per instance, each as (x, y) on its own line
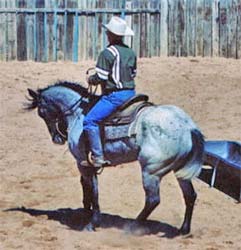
(33, 94)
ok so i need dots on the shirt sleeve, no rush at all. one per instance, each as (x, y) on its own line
(104, 64)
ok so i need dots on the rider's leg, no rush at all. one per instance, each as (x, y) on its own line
(103, 108)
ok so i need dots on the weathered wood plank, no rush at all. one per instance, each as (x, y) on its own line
(181, 28)
(55, 37)
(207, 27)
(11, 34)
(30, 31)
(171, 29)
(143, 42)
(30, 37)
(215, 28)
(128, 18)
(164, 27)
(154, 29)
(50, 39)
(223, 29)
(2, 32)
(199, 27)
(176, 29)
(68, 30)
(136, 28)
(238, 41)
(75, 37)
(232, 29)
(60, 32)
(192, 7)
(21, 33)
(40, 32)
(82, 37)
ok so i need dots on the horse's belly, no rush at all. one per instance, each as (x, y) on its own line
(121, 151)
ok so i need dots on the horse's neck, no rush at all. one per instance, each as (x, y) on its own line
(68, 102)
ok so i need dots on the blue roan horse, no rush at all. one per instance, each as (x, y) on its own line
(162, 138)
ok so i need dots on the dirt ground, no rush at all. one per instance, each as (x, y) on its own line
(40, 193)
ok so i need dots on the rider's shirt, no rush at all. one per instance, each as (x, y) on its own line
(116, 65)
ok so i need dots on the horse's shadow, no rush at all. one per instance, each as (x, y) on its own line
(77, 219)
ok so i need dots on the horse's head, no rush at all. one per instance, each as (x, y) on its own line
(59, 104)
(50, 113)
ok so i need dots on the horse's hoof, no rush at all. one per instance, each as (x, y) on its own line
(89, 228)
(184, 231)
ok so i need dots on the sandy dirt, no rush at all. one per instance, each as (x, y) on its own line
(43, 178)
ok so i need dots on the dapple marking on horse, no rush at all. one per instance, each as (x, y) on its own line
(166, 139)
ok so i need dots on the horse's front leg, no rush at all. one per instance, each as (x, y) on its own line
(89, 183)
(87, 192)
(95, 221)
(88, 179)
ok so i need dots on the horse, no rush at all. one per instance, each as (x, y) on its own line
(163, 138)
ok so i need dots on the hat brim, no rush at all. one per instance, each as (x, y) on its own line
(128, 31)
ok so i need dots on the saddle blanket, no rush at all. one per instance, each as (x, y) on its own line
(116, 132)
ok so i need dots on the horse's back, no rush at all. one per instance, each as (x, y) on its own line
(167, 114)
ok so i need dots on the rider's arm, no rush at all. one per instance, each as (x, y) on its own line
(103, 68)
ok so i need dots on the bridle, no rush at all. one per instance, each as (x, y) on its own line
(61, 115)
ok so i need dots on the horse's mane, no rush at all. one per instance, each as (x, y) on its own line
(77, 87)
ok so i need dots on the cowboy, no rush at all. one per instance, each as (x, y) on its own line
(115, 72)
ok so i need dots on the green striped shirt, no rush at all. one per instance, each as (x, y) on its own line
(116, 65)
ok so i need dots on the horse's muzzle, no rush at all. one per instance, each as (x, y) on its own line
(58, 139)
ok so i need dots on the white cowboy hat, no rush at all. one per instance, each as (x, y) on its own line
(119, 27)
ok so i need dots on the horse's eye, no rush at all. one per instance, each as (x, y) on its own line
(41, 111)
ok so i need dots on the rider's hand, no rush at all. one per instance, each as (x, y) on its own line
(92, 80)
(95, 80)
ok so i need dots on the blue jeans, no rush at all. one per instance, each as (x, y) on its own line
(103, 108)
(106, 106)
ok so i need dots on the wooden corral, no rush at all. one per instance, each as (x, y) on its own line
(51, 30)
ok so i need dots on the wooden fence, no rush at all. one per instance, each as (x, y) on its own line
(51, 30)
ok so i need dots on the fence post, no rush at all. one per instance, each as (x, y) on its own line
(123, 6)
(164, 27)
(76, 37)
(238, 41)
(215, 28)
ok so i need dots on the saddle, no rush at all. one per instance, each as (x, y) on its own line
(127, 112)
(117, 125)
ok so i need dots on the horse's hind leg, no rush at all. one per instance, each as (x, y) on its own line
(190, 196)
(152, 196)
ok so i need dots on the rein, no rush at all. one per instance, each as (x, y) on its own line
(65, 113)
(69, 111)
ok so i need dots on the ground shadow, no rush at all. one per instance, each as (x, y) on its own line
(77, 219)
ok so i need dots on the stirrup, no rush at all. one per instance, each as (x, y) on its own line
(96, 163)
(100, 162)
(86, 164)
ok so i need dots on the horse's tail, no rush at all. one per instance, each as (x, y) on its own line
(193, 166)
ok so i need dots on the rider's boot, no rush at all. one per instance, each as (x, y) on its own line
(97, 157)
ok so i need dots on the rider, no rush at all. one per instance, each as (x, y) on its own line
(115, 71)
